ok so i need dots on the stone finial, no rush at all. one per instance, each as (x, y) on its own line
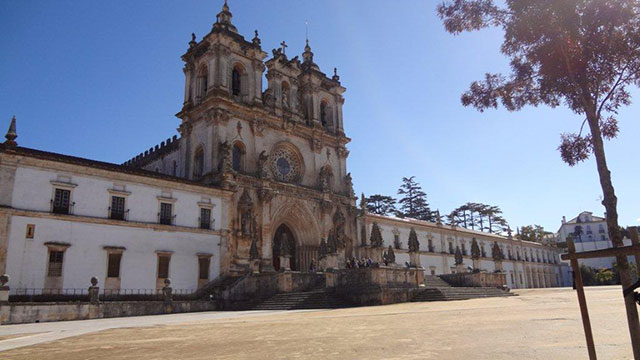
(363, 204)
(167, 282)
(475, 249)
(223, 19)
(496, 252)
(458, 256)
(391, 255)
(94, 281)
(376, 236)
(307, 55)
(11, 135)
(193, 42)
(414, 244)
(335, 75)
(256, 39)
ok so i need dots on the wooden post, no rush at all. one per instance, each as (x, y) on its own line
(582, 300)
(635, 241)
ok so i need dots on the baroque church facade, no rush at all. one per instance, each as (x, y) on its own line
(256, 180)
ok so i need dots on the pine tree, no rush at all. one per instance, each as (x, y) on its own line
(381, 204)
(413, 203)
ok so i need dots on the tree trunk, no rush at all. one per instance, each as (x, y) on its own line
(610, 204)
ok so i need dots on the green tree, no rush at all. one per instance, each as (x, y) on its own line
(584, 54)
(604, 277)
(535, 233)
(413, 203)
(381, 204)
(588, 275)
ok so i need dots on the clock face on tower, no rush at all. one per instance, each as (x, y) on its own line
(285, 165)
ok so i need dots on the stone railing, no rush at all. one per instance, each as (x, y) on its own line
(476, 279)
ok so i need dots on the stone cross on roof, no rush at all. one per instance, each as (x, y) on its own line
(284, 47)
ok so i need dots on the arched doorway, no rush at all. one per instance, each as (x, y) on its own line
(283, 233)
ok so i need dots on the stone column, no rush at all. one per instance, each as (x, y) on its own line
(476, 264)
(414, 260)
(332, 262)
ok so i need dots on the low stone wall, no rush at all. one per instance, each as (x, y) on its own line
(476, 279)
(377, 285)
(21, 313)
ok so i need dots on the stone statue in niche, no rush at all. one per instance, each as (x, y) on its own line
(253, 250)
(332, 245)
(285, 249)
(324, 178)
(349, 184)
(268, 99)
(263, 168)
(245, 209)
(339, 229)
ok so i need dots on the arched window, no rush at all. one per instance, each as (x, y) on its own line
(203, 76)
(198, 162)
(237, 156)
(236, 81)
(323, 113)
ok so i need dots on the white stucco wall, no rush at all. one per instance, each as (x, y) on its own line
(441, 262)
(27, 258)
(88, 230)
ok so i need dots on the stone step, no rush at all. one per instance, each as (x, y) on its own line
(317, 298)
(459, 293)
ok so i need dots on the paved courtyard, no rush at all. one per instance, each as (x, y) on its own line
(538, 324)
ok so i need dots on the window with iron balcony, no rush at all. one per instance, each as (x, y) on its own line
(61, 201)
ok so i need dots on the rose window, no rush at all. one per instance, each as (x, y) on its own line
(285, 165)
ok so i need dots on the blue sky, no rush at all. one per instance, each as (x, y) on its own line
(103, 80)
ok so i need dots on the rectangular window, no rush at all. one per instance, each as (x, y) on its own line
(113, 266)
(203, 266)
(205, 218)
(117, 208)
(55, 263)
(166, 216)
(61, 201)
(31, 231)
(163, 266)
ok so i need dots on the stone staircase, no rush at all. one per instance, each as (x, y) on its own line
(316, 298)
(438, 290)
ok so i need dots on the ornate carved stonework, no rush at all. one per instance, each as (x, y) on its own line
(257, 126)
(324, 178)
(226, 163)
(342, 152)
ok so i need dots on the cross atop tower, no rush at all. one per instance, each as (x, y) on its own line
(284, 47)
